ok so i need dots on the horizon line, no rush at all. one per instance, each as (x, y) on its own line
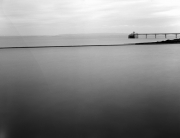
(60, 34)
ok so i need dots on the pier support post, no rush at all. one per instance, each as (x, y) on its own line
(146, 35)
(136, 36)
(165, 35)
(176, 35)
(155, 35)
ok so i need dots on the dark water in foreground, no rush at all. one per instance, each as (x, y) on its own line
(90, 92)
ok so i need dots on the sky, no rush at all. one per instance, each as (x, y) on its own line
(53, 17)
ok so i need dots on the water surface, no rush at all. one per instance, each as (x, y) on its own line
(90, 92)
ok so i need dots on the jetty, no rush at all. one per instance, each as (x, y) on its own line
(136, 35)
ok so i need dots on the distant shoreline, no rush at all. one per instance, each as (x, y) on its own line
(174, 41)
(65, 46)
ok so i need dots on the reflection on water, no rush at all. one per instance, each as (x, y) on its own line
(90, 92)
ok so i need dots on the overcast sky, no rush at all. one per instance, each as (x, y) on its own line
(51, 17)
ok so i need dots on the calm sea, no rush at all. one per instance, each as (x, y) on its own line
(89, 92)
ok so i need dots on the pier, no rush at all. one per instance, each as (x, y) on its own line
(136, 35)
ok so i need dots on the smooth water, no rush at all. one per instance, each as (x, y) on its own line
(90, 92)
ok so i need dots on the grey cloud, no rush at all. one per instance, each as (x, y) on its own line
(86, 13)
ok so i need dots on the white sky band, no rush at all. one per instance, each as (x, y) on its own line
(52, 17)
